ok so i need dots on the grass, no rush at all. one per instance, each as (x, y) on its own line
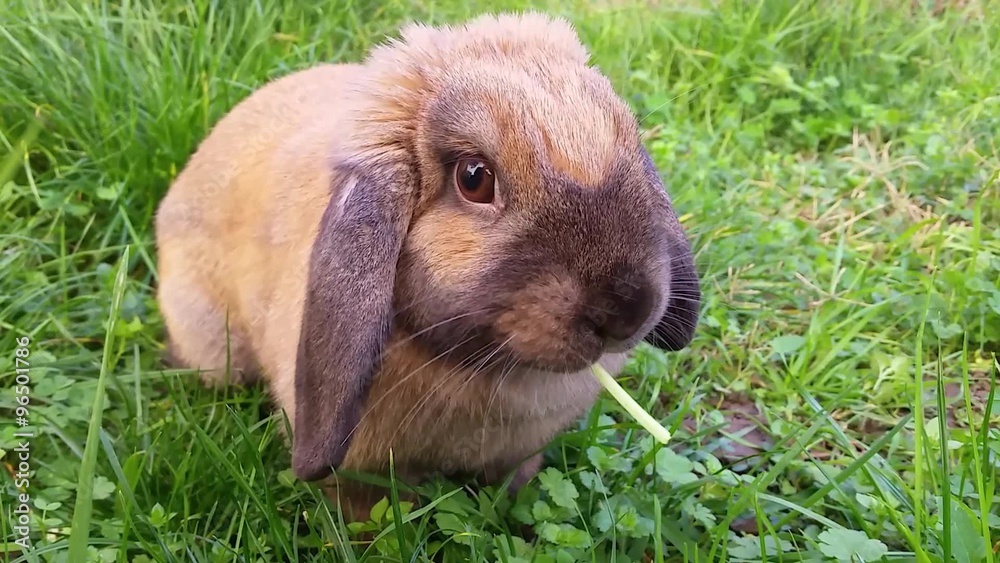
(836, 162)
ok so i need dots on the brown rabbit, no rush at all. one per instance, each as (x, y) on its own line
(424, 253)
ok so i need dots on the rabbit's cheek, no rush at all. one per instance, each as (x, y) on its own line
(449, 247)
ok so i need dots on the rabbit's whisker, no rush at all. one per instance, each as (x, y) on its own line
(672, 320)
(411, 337)
(484, 365)
(402, 381)
(412, 413)
(673, 329)
(598, 309)
(685, 298)
(504, 373)
(452, 373)
(480, 367)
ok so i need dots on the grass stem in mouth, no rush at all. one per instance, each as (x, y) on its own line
(633, 408)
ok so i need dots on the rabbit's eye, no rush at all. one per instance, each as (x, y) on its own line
(475, 180)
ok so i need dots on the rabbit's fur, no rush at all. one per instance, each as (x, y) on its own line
(320, 218)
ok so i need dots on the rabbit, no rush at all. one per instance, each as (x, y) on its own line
(421, 254)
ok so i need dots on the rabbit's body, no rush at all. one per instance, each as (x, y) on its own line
(391, 295)
(265, 164)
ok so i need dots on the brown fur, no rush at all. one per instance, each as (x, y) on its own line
(386, 313)
(537, 320)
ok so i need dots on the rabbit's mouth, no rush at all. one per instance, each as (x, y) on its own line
(565, 356)
(558, 361)
(557, 323)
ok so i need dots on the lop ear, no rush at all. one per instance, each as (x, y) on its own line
(347, 312)
(680, 319)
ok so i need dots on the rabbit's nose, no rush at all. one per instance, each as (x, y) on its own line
(619, 308)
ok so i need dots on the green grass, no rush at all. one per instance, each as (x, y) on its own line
(836, 163)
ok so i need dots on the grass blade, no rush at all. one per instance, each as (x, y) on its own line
(83, 508)
(945, 480)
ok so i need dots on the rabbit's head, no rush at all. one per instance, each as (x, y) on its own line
(496, 205)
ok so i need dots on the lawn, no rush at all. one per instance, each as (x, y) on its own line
(836, 164)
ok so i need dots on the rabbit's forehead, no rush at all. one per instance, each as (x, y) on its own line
(568, 123)
(580, 135)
